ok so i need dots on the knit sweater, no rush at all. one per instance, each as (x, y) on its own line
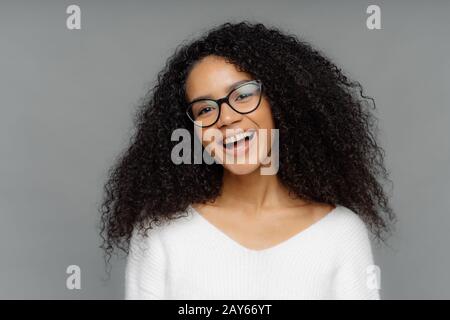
(190, 258)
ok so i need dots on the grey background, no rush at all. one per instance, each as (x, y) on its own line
(67, 100)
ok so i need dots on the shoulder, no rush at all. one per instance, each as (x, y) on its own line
(348, 222)
(151, 233)
(354, 258)
(341, 226)
(350, 232)
(144, 235)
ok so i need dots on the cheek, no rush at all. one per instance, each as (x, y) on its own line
(263, 116)
(207, 135)
(264, 119)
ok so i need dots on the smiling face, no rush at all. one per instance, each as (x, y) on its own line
(214, 78)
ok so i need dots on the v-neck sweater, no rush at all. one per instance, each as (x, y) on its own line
(190, 258)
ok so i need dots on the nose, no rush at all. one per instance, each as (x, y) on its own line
(227, 115)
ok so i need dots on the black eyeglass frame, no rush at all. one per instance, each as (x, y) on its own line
(226, 100)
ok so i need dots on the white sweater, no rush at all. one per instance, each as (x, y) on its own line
(190, 258)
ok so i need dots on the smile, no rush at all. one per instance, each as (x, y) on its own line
(239, 143)
(239, 138)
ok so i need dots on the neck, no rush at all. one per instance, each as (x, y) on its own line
(253, 192)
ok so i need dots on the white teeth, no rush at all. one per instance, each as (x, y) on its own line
(238, 137)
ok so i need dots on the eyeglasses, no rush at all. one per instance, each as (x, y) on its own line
(243, 99)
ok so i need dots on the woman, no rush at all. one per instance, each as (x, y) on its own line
(225, 230)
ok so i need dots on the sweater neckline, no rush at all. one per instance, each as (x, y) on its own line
(224, 236)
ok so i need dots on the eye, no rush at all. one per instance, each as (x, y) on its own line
(243, 96)
(203, 110)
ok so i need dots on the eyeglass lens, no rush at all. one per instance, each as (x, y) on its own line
(243, 99)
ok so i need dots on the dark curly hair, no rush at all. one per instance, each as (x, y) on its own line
(327, 153)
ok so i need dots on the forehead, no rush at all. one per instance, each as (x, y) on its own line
(212, 76)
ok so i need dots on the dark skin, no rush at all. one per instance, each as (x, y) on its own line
(254, 210)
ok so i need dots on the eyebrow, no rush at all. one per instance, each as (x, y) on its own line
(229, 88)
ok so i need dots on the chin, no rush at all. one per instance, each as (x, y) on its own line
(241, 169)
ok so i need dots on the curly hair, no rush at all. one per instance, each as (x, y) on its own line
(327, 152)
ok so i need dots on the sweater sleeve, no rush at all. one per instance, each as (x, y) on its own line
(356, 277)
(145, 271)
